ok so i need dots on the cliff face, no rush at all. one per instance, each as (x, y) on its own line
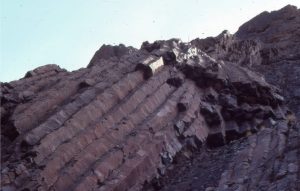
(270, 44)
(121, 121)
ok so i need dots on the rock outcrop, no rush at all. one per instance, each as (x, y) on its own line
(124, 119)
(270, 44)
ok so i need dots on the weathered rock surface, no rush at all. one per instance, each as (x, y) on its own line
(270, 44)
(126, 118)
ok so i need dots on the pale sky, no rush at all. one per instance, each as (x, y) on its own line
(68, 32)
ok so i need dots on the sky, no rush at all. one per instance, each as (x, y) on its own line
(68, 32)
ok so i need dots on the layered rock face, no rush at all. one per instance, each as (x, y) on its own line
(120, 122)
(270, 44)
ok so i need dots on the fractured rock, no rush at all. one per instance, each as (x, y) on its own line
(123, 120)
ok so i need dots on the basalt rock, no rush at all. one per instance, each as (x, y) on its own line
(125, 119)
(107, 52)
(269, 44)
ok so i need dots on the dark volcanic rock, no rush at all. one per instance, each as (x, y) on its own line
(108, 51)
(131, 114)
(270, 44)
(279, 34)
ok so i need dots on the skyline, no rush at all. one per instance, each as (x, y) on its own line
(68, 34)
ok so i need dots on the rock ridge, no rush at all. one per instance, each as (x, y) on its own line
(122, 122)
